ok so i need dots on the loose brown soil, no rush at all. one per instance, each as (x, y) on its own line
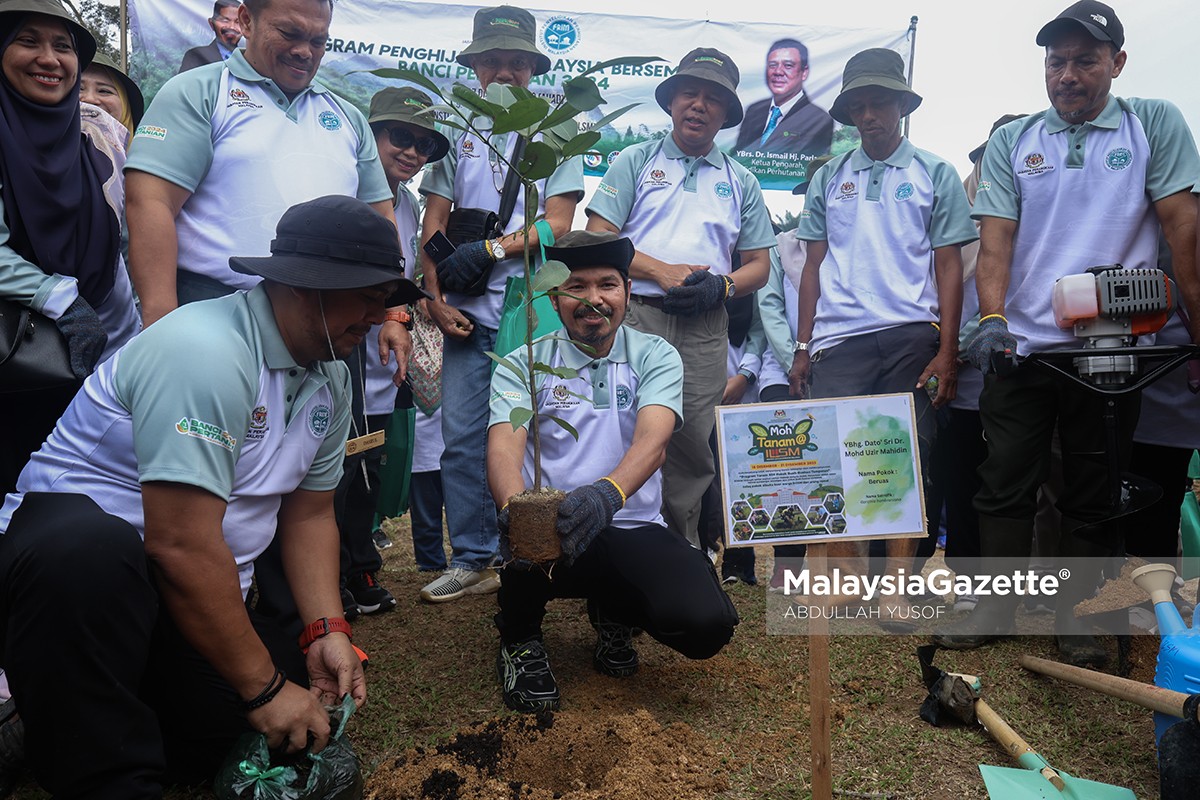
(531, 525)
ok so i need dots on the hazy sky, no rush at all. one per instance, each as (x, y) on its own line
(974, 60)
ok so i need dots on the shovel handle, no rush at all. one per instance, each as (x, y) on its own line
(1156, 698)
(1013, 744)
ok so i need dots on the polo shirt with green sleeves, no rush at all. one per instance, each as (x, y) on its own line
(882, 221)
(247, 153)
(682, 209)
(1084, 196)
(601, 402)
(210, 397)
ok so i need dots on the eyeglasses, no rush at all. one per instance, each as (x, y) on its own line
(514, 64)
(402, 139)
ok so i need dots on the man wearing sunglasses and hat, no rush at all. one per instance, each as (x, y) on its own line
(466, 306)
(881, 288)
(690, 212)
(617, 551)
(129, 545)
(1093, 180)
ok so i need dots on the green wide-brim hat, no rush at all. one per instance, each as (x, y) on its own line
(407, 105)
(504, 28)
(875, 67)
(85, 43)
(706, 64)
(137, 103)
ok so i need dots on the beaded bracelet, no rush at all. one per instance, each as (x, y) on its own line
(268, 694)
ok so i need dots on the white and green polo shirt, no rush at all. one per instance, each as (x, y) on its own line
(208, 397)
(882, 221)
(246, 153)
(602, 404)
(1083, 194)
(681, 209)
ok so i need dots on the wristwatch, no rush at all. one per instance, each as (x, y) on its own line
(496, 249)
(730, 288)
(800, 347)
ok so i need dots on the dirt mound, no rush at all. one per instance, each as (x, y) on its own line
(569, 755)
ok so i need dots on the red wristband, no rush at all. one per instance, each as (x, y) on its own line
(399, 315)
(323, 627)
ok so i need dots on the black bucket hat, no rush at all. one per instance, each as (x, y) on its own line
(877, 66)
(710, 65)
(504, 28)
(1098, 19)
(587, 249)
(85, 43)
(137, 103)
(407, 105)
(809, 171)
(333, 242)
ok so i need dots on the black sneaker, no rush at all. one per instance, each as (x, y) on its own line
(614, 654)
(349, 605)
(381, 540)
(525, 677)
(368, 594)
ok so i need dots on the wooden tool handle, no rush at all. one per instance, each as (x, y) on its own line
(1012, 742)
(1156, 698)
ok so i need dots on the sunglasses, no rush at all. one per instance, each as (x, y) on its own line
(402, 139)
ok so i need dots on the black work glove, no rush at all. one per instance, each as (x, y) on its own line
(702, 291)
(991, 337)
(457, 271)
(80, 326)
(583, 514)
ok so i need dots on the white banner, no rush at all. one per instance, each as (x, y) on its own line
(370, 34)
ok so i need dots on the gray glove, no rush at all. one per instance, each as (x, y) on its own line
(702, 291)
(80, 326)
(457, 271)
(583, 514)
(991, 338)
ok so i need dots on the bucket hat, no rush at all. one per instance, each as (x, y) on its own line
(333, 242)
(137, 103)
(710, 65)
(877, 66)
(85, 43)
(504, 28)
(586, 249)
(1097, 19)
(809, 171)
(406, 105)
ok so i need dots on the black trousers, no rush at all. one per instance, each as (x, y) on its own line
(648, 578)
(1153, 532)
(114, 701)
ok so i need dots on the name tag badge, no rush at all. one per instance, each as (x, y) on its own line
(361, 443)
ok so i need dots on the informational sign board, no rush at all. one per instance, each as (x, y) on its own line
(841, 468)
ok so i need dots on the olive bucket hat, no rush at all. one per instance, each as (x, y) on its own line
(875, 67)
(710, 65)
(12, 10)
(407, 105)
(504, 28)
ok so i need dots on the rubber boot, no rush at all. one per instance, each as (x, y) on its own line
(1076, 643)
(999, 538)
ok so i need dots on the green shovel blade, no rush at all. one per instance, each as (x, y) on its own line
(1006, 783)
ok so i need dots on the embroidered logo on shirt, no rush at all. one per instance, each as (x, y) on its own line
(150, 132)
(468, 149)
(1118, 158)
(904, 191)
(517, 396)
(624, 396)
(561, 397)
(238, 98)
(329, 120)
(199, 429)
(723, 190)
(1035, 164)
(608, 190)
(847, 191)
(656, 178)
(560, 35)
(984, 186)
(258, 424)
(318, 420)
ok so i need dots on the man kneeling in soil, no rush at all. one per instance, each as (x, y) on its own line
(616, 550)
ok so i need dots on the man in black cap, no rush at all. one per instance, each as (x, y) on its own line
(468, 287)
(620, 389)
(1089, 181)
(219, 428)
(691, 212)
